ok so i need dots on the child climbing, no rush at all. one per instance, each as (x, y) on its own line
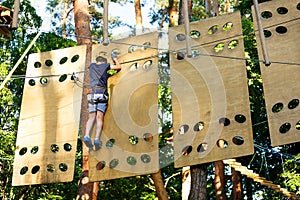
(97, 96)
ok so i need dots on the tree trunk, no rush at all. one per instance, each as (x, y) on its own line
(198, 173)
(14, 23)
(227, 8)
(236, 184)
(198, 182)
(220, 181)
(173, 12)
(186, 183)
(248, 184)
(64, 20)
(216, 8)
(208, 8)
(138, 17)
(220, 177)
(161, 24)
(181, 11)
(161, 191)
(82, 30)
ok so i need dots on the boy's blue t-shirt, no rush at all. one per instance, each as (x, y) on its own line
(99, 75)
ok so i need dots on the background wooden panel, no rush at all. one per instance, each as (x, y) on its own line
(207, 88)
(281, 81)
(49, 120)
(132, 111)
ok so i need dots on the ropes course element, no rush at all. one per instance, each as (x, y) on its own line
(105, 23)
(20, 60)
(163, 49)
(14, 24)
(250, 174)
(194, 47)
(204, 126)
(261, 34)
(271, 151)
(180, 50)
(130, 61)
(280, 83)
(187, 27)
(129, 136)
(238, 118)
(44, 152)
(74, 73)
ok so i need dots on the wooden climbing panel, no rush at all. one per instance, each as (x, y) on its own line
(211, 115)
(49, 119)
(130, 132)
(281, 80)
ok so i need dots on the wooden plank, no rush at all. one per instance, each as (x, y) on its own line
(281, 81)
(4, 31)
(211, 91)
(49, 119)
(249, 173)
(132, 112)
(5, 18)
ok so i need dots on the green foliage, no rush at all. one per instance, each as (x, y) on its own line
(51, 41)
(198, 11)
(7, 148)
(139, 187)
(3, 67)
(291, 174)
(7, 121)
(172, 177)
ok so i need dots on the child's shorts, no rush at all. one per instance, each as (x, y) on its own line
(97, 106)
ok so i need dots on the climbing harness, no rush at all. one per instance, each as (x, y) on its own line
(98, 95)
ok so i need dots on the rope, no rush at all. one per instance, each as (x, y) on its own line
(2, 158)
(19, 61)
(195, 46)
(24, 54)
(56, 75)
(274, 153)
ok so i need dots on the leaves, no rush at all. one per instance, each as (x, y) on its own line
(291, 174)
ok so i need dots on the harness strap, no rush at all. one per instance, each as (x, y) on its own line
(97, 98)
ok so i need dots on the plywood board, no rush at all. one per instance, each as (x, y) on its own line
(49, 118)
(280, 20)
(130, 132)
(211, 115)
